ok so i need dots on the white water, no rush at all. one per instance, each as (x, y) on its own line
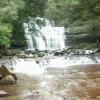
(31, 67)
(54, 37)
(48, 37)
(29, 37)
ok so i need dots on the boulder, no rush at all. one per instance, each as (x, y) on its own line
(3, 52)
(37, 61)
(41, 54)
(4, 71)
(57, 53)
(8, 80)
(3, 93)
(1, 77)
(7, 76)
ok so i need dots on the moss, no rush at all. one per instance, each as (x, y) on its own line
(84, 45)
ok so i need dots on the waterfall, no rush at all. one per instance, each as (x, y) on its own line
(29, 37)
(44, 37)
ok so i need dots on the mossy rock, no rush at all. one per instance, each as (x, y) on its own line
(8, 80)
(1, 77)
(4, 71)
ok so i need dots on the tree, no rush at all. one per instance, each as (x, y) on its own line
(32, 8)
(8, 14)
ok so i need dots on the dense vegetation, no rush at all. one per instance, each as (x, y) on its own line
(80, 16)
(12, 15)
(8, 14)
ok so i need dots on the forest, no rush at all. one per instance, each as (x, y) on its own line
(81, 17)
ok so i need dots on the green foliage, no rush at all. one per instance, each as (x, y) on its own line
(4, 41)
(18, 39)
(59, 10)
(5, 34)
(6, 29)
(31, 9)
(81, 16)
(9, 9)
(8, 14)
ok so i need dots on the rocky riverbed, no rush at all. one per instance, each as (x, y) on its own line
(71, 83)
(37, 53)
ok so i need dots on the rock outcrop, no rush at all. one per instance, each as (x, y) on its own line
(7, 76)
(72, 51)
(8, 80)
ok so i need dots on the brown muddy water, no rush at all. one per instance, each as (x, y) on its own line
(71, 83)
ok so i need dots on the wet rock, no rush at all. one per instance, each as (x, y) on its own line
(37, 61)
(37, 50)
(3, 52)
(41, 54)
(73, 51)
(10, 52)
(14, 75)
(3, 93)
(46, 51)
(13, 52)
(8, 80)
(22, 54)
(30, 52)
(1, 56)
(57, 53)
(1, 77)
(35, 55)
(98, 50)
(7, 76)
(4, 71)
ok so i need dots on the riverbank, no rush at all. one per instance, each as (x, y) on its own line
(9, 53)
(71, 83)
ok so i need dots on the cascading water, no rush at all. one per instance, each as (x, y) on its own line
(45, 37)
(38, 66)
(54, 37)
